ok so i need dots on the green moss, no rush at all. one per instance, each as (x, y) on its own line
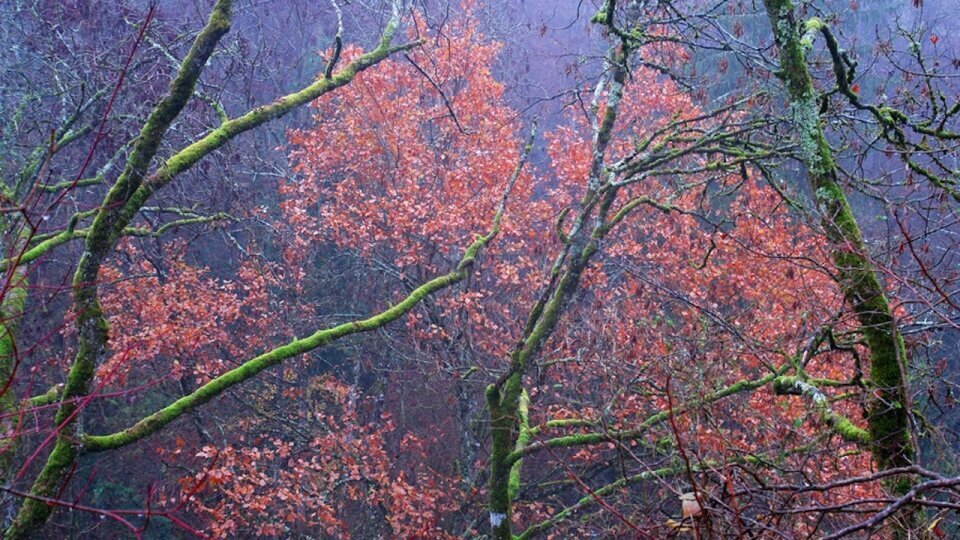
(46, 398)
(813, 24)
(839, 424)
(585, 439)
(493, 395)
(125, 199)
(523, 410)
(154, 422)
(502, 432)
(888, 424)
(11, 310)
(34, 512)
(8, 401)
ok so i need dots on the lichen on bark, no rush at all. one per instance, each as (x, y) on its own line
(887, 420)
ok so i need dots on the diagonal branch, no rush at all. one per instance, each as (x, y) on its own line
(154, 422)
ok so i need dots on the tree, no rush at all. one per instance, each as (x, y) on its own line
(125, 199)
(888, 423)
(669, 314)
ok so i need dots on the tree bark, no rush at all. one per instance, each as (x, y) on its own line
(888, 423)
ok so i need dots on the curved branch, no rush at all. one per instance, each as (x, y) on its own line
(796, 386)
(153, 423)
(641, 430)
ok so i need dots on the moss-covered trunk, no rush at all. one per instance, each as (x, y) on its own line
(106, 230)
(14, 297)
(506, 400)
(502, 409)
(888, 422)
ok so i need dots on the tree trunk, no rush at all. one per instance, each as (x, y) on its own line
(887, 420)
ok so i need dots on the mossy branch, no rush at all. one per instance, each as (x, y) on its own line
(59, 186)
(503, 397)
(888, 424)
(46, 398)
(797, 386)
(891, 120)
(657, 474)
(107, 226)
(154, 422)
(632, 204)
(641, 430)
(12, 305)
(523, 410)
(70, 234)
(113, 217)
(593, 497)
(188, 156)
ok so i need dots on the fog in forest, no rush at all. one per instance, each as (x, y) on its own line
(480, 269)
